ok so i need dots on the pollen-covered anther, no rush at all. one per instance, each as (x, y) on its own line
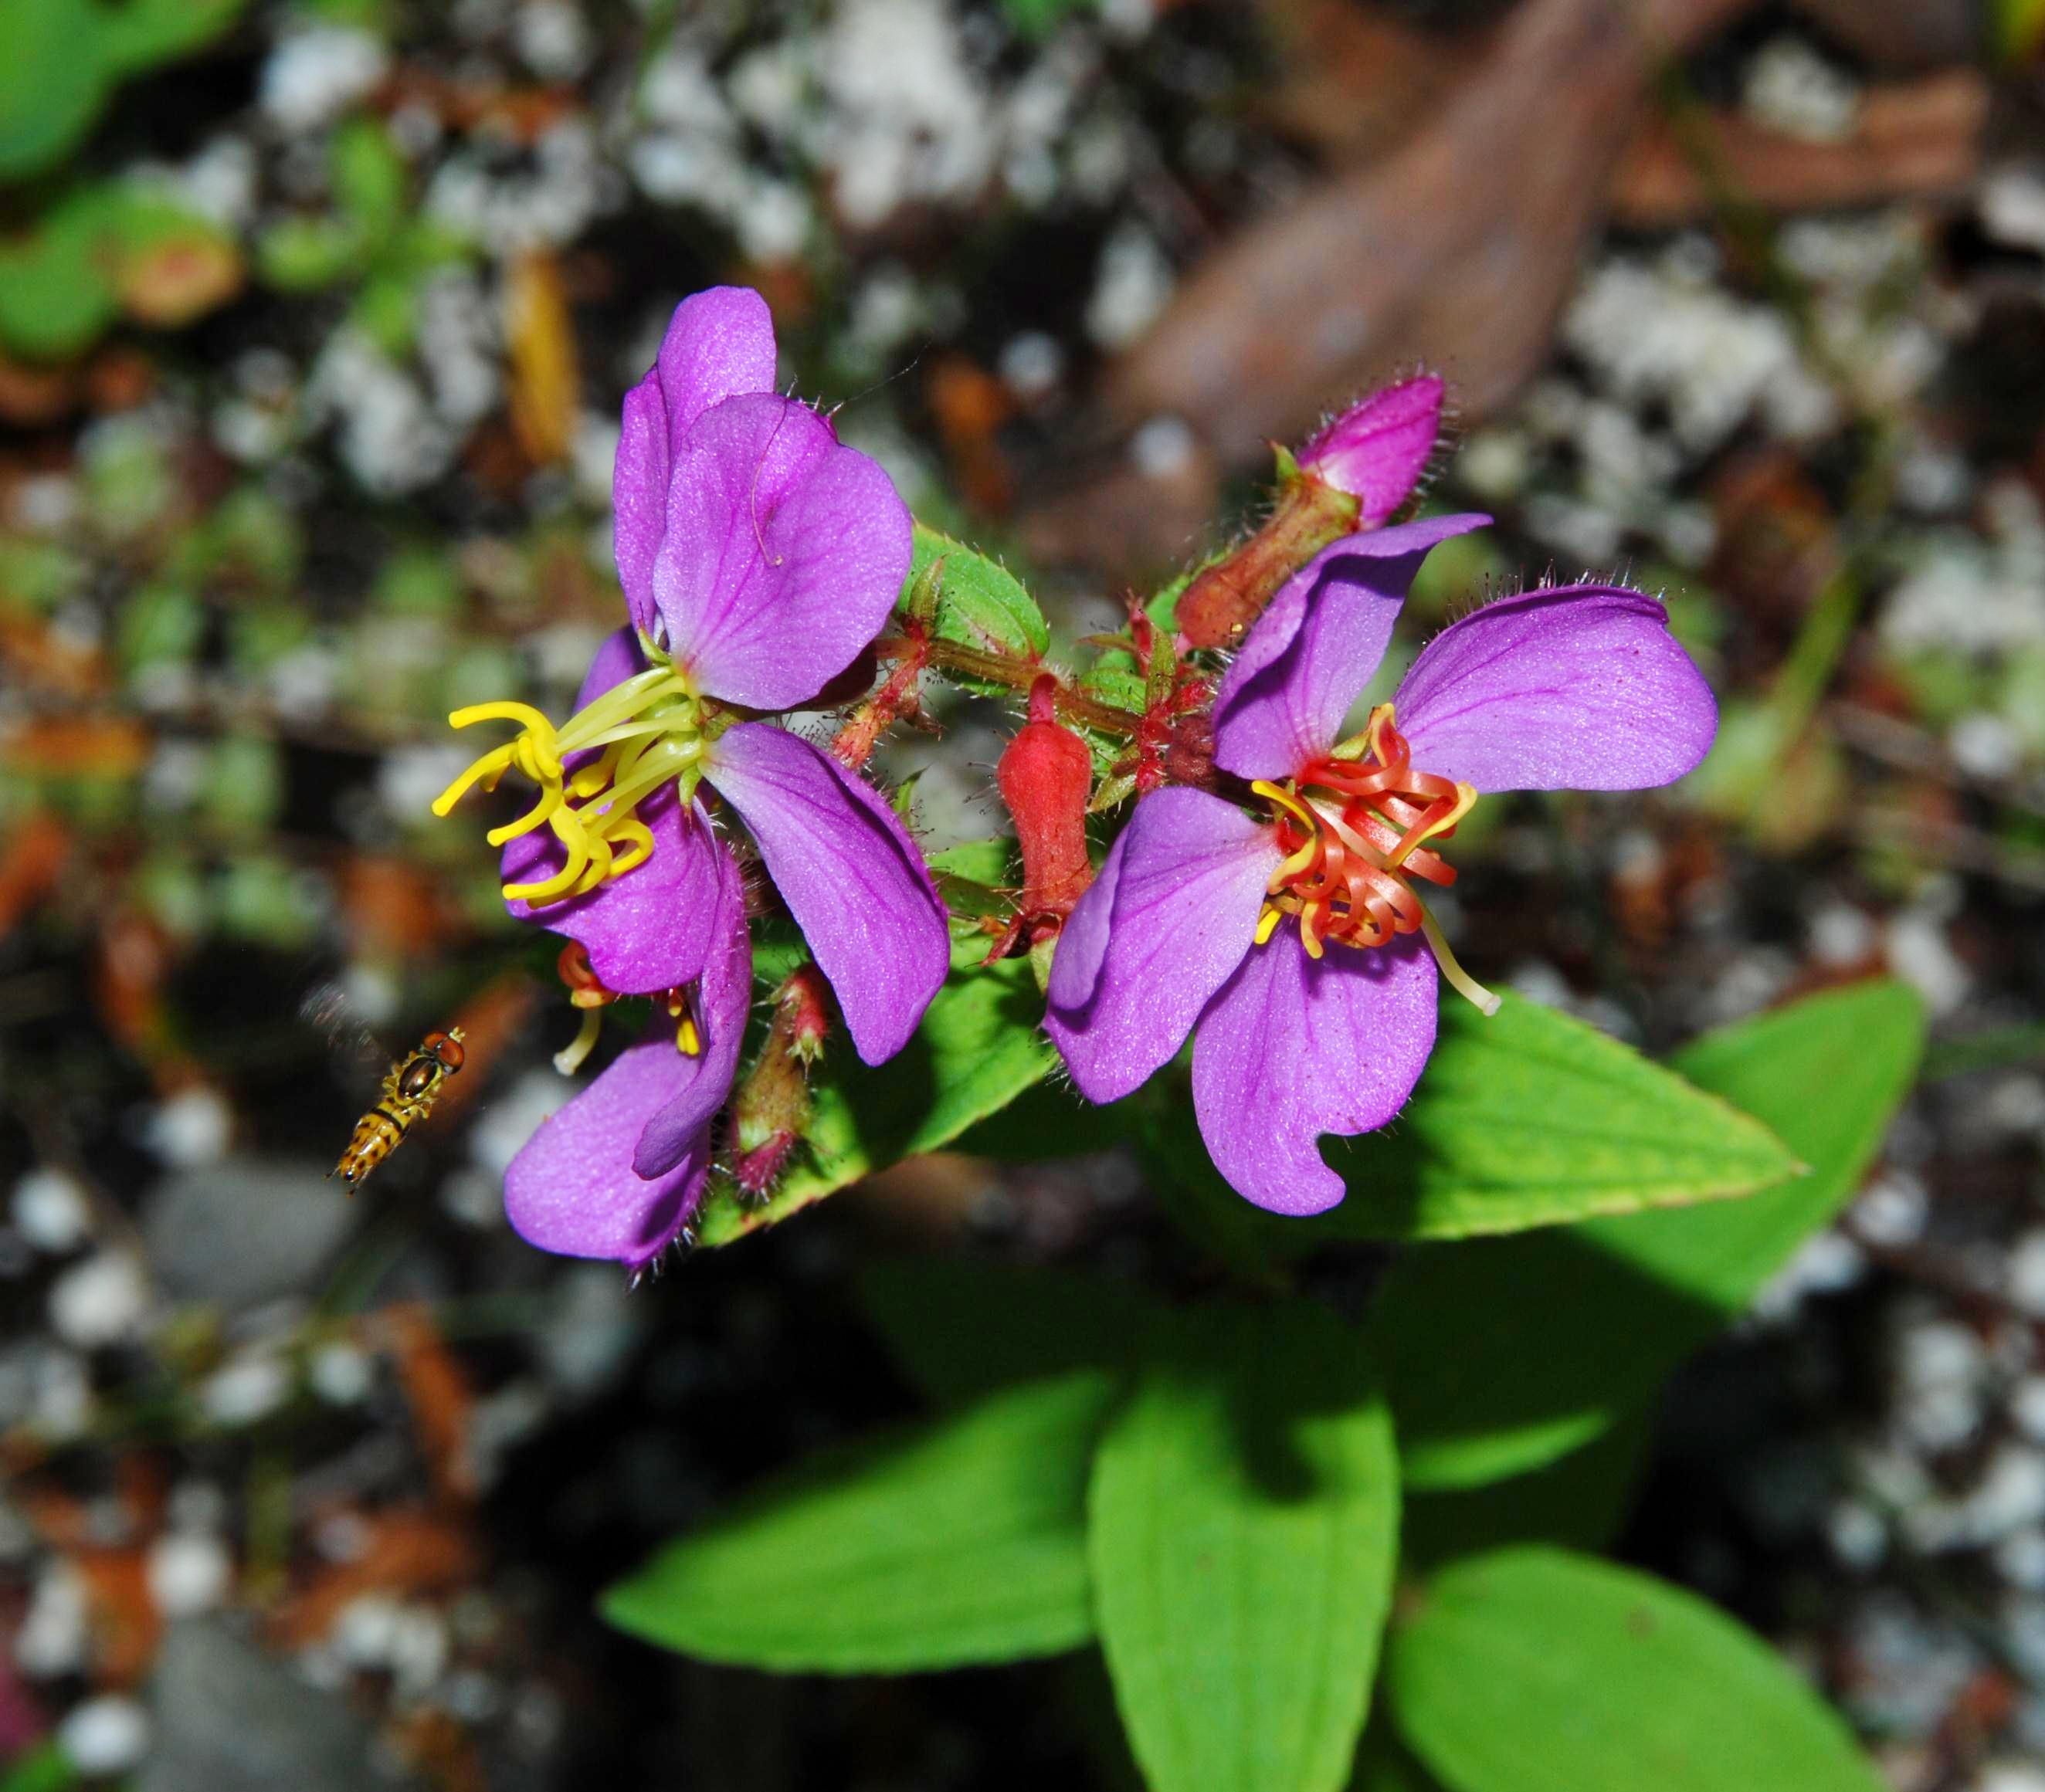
(1354, 827)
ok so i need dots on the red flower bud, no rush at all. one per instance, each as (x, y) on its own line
(1046, 775)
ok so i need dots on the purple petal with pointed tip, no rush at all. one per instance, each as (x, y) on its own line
(572, 1189)
(719, 343)
(1294, 1048)
(1377, 449)
(723, 1000)
(1181, 903)
(648, 929)
(1580, 689)
(1313, 652)
(850, 875)
(783, 552)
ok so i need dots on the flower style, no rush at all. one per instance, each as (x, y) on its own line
(1289, 942)
(758, 556)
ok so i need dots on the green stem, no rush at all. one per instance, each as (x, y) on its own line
(1017, 675)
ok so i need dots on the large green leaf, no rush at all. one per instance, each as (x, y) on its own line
(980, 603)
(1528, 1118)
(979, 1047)
(1244, 1523)
(1536, 1671)
(961, 1328)
(1502, 1353)
(961, 1542)
(52, 82)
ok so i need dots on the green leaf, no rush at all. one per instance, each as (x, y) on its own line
(1536, 1670)
(1579, 1501)
(46, 1768)
(368, 175)
(137, 35)
(57, 293)
(979, 1047)
(1244, 1521)
(980, 604)
(53, 82)
(305, 254)
(961, 1328)
(1528, 1118)
(1499, 1353)
(959, 1543)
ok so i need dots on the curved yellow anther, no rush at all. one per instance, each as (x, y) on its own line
(551, 799)
(569, 830)
(687, 1039)
(1285, 799)
(1466, 801)
(488, 769)
(1267, 923)
(636, 839)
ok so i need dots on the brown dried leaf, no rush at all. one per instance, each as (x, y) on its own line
(1922, 140)
(1457, 251)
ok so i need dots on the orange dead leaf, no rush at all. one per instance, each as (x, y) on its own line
(970, 404)
(437, 1391)
(79, 747)
(126, 1626)
(545, 382)
(32, 860)
(407, 1553)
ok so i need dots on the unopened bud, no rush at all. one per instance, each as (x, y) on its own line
(802, 1013)
(1046, 775)
(1377, 450)
(1353, 475)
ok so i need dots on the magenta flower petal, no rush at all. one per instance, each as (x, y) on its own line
(649, 930)
(784, 553)
(723, 1000)
(1579, 688)
(1313, 652)
(1295, 1046)
(1377, 449)
(719, 343)
(1082, 946)
(1182, 902)
(850, 875)
(571, 1188)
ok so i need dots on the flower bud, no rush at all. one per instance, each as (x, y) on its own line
(1046, 775)
(1353, 475)
(1377, 450)
(802, 1010)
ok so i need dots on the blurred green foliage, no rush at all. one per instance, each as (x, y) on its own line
(61, 60)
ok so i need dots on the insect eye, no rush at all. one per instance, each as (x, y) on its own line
(418, 1077)
(449, 1050)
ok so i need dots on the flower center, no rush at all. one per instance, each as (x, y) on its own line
(649, 730)
(1354, 827)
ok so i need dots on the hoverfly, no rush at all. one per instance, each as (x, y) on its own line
(411, 1086)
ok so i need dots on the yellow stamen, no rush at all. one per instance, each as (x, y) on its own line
(1267, 923)
(1310, 917)
(1285, 799)
(1461, 980)
(550, 800)
(688, 1038)
(569, 1059)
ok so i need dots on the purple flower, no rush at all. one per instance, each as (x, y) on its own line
(1377, 450)
(758, 556)
(1288, 941)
